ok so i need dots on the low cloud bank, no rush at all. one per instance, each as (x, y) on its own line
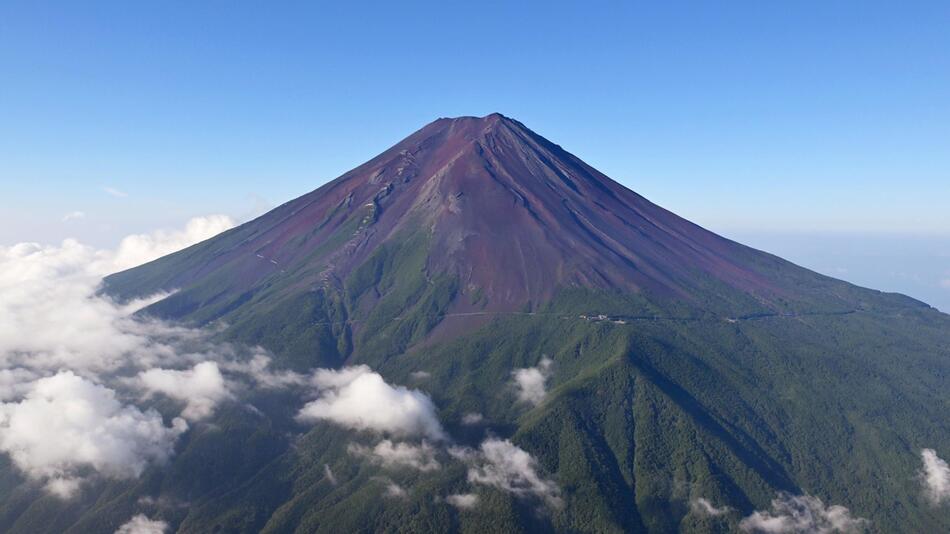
(55, 320)
(358, 398)
(137, 249)
(802, 514)
(73, 364)
(66, 424)
(62, 347)
(65, 346)
(531, 382)
(936, 477)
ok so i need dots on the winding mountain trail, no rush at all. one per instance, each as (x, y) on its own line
(618, 320)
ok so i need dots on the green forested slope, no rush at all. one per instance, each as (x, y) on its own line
(641, 418)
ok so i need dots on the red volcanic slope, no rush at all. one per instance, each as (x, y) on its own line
(513, 215)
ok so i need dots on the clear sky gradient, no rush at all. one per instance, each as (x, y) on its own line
(778, 118)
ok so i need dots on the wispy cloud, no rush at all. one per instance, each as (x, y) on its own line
(420, 457)
(391, 489)
(802, 514)
(504, 465)
(114, 192)
(258, 368)
(702, 506)
(74, 215)
(328, 473)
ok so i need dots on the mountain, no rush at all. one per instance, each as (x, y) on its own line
(466, 216)
(503, 211)
(679, 365)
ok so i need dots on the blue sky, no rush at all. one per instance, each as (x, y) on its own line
(771, 118)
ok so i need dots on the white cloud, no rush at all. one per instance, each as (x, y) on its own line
(945, 283)
(472, 418)
(111, 191)
(802, 514)
(506, 466)
(64, 488)
(395, 491)
(702, 506)
(463, 501)
(53, 318)
(392, 455)
(67, 424)
(142, 248)
(201, 388)
(419, 375)
(358, 398)
(140, 524)
(74, 215)
(935, 476)
(531, 381)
